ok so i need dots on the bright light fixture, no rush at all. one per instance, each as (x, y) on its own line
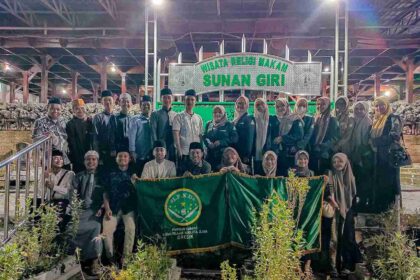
(157, 2)
(113, 68)
(64, 91)
(326, 69)
(7, 67)
(387, 93)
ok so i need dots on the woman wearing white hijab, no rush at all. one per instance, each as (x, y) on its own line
(261, 117)
(285, 131)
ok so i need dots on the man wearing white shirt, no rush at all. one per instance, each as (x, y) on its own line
(59, 181)
(159, 167)
(187, 127)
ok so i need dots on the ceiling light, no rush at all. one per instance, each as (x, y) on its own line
(387, 93)
(7, 67)
(157, 2)
(326, 69)
(113, 68)
(64, 91)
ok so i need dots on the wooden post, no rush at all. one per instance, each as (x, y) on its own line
(377, 85)
(409, 81)
(104, 76)
(44, 80)
(25, 85)
(123, 83)
(74, 85)
(95, 93)
(12, 92)
(324, 84)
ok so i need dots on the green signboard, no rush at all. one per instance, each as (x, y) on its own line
(247, 71)
(210, 212)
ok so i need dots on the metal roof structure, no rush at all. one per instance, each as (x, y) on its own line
(87, 37)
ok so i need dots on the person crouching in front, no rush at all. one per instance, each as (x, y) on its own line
(195, 165)
(159, 167)
(119, 203)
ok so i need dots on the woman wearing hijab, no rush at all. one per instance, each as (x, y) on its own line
(342, 187)
(386, 130)
(302, 164)
(245, 127)
(285, 131)
(219, 134)
(269, 164)
(346, 124)
(231, 162)
(301, 108)
(326, 133)
(261, 117)
(361, 154)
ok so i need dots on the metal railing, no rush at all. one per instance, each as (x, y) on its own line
(27, 167)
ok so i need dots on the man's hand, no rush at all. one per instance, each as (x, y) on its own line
(99, 213)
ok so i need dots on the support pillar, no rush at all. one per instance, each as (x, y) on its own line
(25, 86)
(44, 80)
(12, 95)
(123, 83)
(104, 76)
(324, 85)
(74, 76)
(409, 81)
(377, 91)
(95, 93)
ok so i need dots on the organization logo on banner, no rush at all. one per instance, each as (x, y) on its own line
(183, 207)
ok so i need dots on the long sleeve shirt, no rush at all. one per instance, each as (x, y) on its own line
(57, 130)
(101, 132)
(62, 185)
(140, 137)
(245, 127)
(88, 189)
(79, 137)
(120, 127)
(308, 130)
(154, 170)
(289, 141)
(161, 122)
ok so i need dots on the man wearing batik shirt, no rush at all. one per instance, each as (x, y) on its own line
(53, 125)
(120, 125)
(187, 128)
(79, 133)
(102, 130)
(140, 135)
(161, 122)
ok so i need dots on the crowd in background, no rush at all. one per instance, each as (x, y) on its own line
(101, 157)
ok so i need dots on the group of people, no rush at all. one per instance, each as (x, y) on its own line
(108, 152)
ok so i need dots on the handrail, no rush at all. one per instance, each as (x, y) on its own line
(34, 161)
(24, 151)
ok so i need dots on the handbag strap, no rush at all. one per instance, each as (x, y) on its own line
(59, 182)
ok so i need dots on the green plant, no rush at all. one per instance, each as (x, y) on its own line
(279, 243)
(12, 264)
(297, 189)
(150, 262)
(392, 254)
(228, 272)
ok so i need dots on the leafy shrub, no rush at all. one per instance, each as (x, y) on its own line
(150, 262)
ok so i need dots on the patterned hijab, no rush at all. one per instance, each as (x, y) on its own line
(261, 125)
(223, 120)
(238, 164)
(286, 121)
(322, 120)
(301, 101)
(380, 119)
(239, 114)
(344, 184)
(302, 171)
(269, 172)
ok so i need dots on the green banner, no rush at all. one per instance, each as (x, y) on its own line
(211, 212)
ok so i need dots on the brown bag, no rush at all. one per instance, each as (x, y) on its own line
(327, 210)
